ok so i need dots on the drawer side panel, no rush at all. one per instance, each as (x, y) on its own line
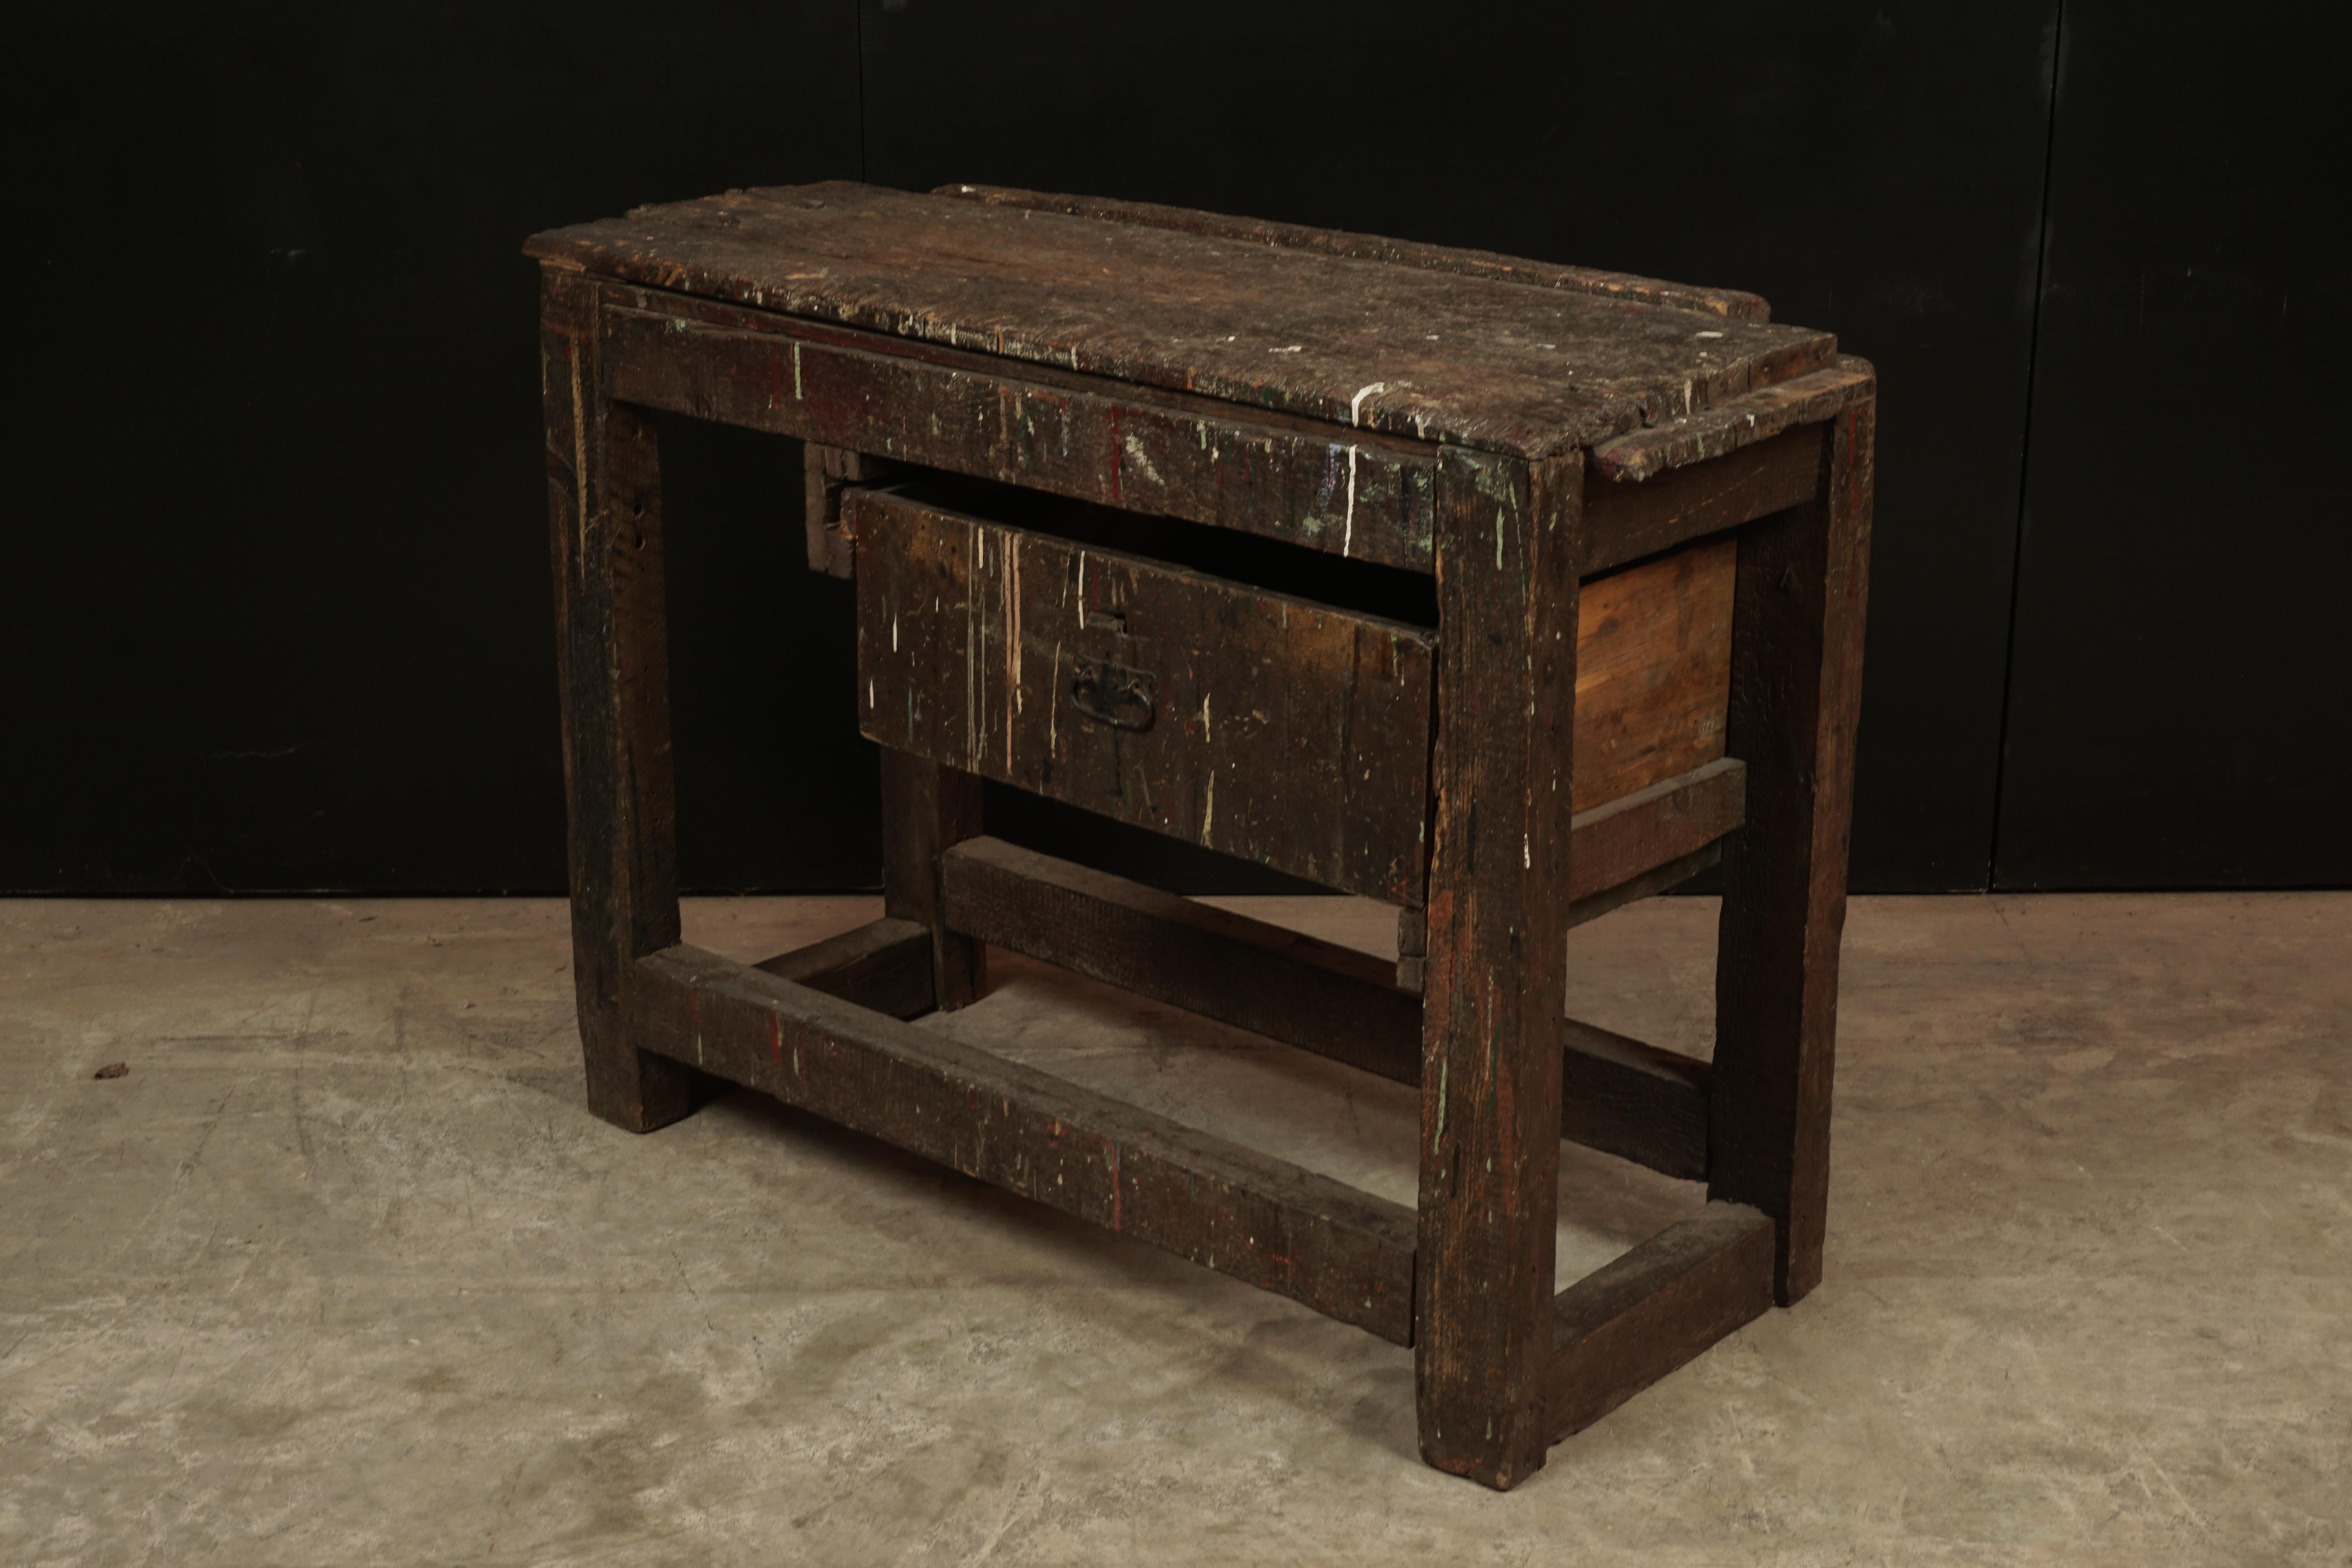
(1653, 671)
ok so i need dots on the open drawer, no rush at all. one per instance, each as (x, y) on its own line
(1259, 723)
(1251, 723)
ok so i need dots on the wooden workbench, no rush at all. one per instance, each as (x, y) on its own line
(1499, 590)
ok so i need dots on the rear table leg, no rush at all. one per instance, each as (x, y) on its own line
(926, 808)
(1796, 688)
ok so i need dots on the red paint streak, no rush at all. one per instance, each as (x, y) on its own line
(776, 1037)
(1286, 1262)
(1117, 489)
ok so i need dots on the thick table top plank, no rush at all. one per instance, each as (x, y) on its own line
(1399, 346)
(1737, 303)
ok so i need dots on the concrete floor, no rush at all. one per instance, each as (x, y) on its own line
(342, 1272)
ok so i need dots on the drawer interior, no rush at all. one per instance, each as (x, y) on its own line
(1366, 587)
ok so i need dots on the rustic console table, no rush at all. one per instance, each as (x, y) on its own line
(1499, 590)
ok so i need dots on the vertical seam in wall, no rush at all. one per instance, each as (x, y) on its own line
(858, 34)
(2025, 445)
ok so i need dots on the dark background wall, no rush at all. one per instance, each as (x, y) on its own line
(275, 609)
(2180, 696)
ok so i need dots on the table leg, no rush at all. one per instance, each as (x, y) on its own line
(1497, 933)
(927, 808)
(1796, 688)
(604, 488)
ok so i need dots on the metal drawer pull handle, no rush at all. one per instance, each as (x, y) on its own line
(1114, 695)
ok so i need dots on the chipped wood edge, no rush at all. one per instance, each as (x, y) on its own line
(1741, 422)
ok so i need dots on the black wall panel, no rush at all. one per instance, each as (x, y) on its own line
(275, 609)
(2181, 708)
(1872, 167)
(274, 604)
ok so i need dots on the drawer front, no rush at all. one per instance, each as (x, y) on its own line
(1264, 726)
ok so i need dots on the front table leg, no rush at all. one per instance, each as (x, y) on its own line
(604, 493)
(1492, 1007)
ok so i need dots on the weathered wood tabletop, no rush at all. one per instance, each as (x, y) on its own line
(1436, 344)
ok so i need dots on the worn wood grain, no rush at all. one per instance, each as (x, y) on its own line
(1730, 423)
(1257, 1218)
(1653, 671)
(1632, 1099)
(1412, 969)
(1650, 883)
(1621, 1329)
(1509, 543)
(1252, 723)
(1657, 826)
(1796, 691)
(1332, 1000)
(604, 492)
(884, 965)
(1734, 303)
(1467, 360)
(1627, 519)
(1347, 492)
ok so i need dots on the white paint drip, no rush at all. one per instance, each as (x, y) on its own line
(796, 373)
(1348, 532)
(1013, 650)
(1208, 813)
(1142, 460)
(1054, 711)
(973, 739)
(1356, 418)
